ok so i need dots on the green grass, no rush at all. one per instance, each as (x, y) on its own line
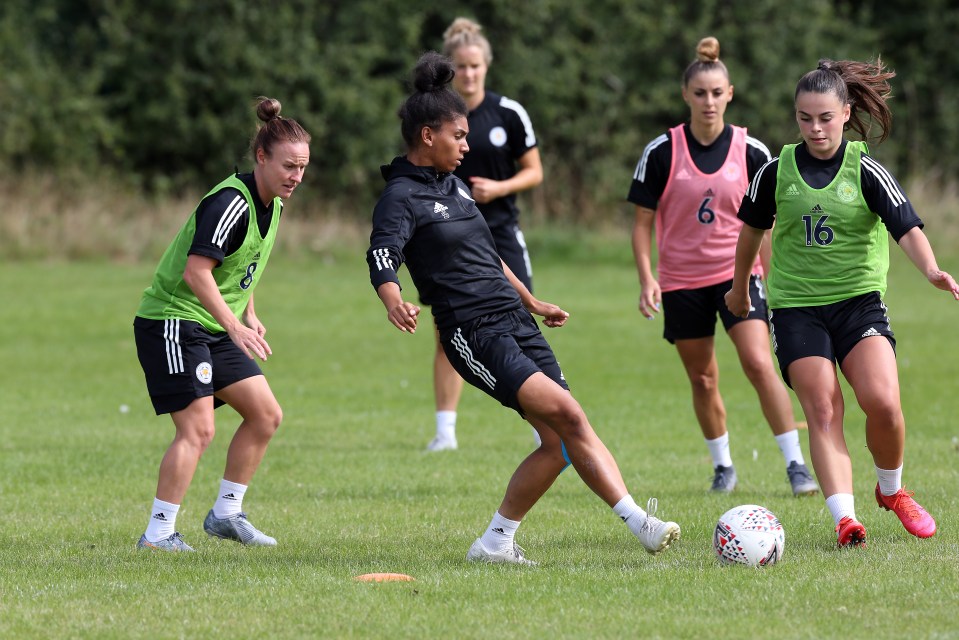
(346, 488)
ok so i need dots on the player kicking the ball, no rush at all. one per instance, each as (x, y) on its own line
(427, 218)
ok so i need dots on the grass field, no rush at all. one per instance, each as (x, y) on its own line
(346, 488)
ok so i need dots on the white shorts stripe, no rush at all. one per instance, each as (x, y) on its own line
(174, 353)
(459, 343)
(521, 241)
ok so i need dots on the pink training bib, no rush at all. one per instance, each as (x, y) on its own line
(696, 224)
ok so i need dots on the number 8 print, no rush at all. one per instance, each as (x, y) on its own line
(247, 280)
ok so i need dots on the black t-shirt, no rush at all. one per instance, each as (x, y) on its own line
(880, 190)
(652, 170)
(429, 221)
(500, 133)
(223, 218)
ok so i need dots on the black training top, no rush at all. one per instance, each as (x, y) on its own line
(429, 221)
(500, 133)
(652, 170)
(881, 191)
(222, 220)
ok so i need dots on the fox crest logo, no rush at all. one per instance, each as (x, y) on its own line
(846, 191)
(732, 171)
(204, 372)
(441, 209)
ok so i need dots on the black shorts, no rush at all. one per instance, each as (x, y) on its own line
(182, 361)
(829, 331)
(691, 313)
(511, 247)
(498, 352)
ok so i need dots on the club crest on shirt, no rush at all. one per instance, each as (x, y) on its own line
(204, 372)
(441, 209)
(732, 171)
(497, 135)
(846, 191)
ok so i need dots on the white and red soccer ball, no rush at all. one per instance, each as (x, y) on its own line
(750, 535)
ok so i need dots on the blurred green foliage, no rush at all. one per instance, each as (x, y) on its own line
(162, 93)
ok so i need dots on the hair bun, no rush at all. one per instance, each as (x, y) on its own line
(433, 73)
(267, 108)
(708, 49)
(462, 26)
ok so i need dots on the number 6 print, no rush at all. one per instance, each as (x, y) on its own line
(705, 215)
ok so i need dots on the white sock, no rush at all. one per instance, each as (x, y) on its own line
(162, 522)
(841, 505)
(719, 450)
(230, 499)
(890, 480)
(789, 444)
(500, 533)
(446, 425)
(630, 513)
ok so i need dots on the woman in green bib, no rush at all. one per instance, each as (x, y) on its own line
(834, 207)
(197, 333)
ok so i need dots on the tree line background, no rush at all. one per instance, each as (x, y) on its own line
(159, 95)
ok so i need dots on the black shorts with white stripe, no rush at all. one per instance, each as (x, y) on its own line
(182, 361)
(497, 353)
(828, 331)
(511, 247)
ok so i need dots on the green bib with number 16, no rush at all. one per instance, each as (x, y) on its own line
(827, 245)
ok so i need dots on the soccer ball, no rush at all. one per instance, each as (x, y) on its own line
(749, 535)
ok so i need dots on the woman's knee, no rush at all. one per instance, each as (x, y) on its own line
(198, 435)
(703, 382)
(883, 412)
(758, 369)
(556, 454)
(568, 420)
(270, 418)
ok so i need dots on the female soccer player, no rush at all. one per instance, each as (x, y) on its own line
(197, 333)
(503, 160)
(833, 205)
(427, 218)
(691, 181)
